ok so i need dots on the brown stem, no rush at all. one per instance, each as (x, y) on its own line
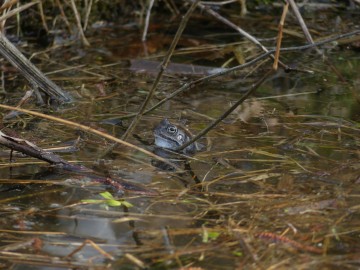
(230, 110)
(30, 149)
(192, 84)
(162, 69)
(147, 20)
(78, 23)
(29, 71)
(88, 129)
(280, 35)
(310, 39)
(237, 28)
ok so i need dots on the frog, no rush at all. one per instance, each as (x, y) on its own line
(170, 136)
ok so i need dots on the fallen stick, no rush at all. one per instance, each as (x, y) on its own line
(30, 149)
(35, 77)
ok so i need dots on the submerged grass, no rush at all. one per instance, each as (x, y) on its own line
(257, 204)
(276, 190)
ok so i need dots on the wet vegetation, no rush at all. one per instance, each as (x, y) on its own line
(264, 93)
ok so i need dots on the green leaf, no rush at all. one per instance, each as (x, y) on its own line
(213, 235)
(92, 201)
(113, 203)
(107, 195)
(109, 201)
(238, 253)
(126, 204)
(208, 236)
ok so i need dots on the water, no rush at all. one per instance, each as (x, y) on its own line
(286, 162)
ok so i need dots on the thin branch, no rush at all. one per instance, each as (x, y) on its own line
(147, 20)
(230, 110)
(300, 20)
(29, 71)
(30, 149)
(192, 84)
(163, 68)
(63, 15)
(310, 39)
(17, 10)
(87, 15)
(280, 35)
(94, 245)
(42, 15)
(238, 29)
(78, 23)
(8, 4)
(86, 129)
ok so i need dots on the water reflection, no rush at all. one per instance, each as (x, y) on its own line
(295, 142)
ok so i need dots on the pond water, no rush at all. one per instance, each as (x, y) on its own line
(277, 184)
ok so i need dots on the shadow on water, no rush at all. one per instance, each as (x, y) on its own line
(279, 178)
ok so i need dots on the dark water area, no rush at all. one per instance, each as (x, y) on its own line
(277, 183)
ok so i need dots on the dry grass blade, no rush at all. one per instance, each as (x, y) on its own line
(17, 10)
(238, 29)
(63, 15)
(285, 240)
(32, 232)
(87, 15)
(280, 35)
(164, 65)
(311, 41)
(8, 4)
(300, 20)
(42, 15)
(135, 260)
(78, 22)
(227, 112)
(45, 260)
(95, 246)
(35, 77)
(192, 84)
(86, 129)
(147, 20)
(32, 195)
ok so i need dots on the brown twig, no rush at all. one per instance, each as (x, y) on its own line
(136, 261)
(87, 129)
(238, 29)
(17, 11)
(172, 7)
(285, 240)
(35, 77)
(192, 84)
(63, 15)
(43, 20)
(78, 23)
(147, 20)
(162, 69)
(300, 20)
(280, 35)
(87, 14)
(227, 112)
(94, 245)
(30, 149)
(8, 4)
(310, 39)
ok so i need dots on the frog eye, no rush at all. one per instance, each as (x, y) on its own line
(180, 137)
(172, 129)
